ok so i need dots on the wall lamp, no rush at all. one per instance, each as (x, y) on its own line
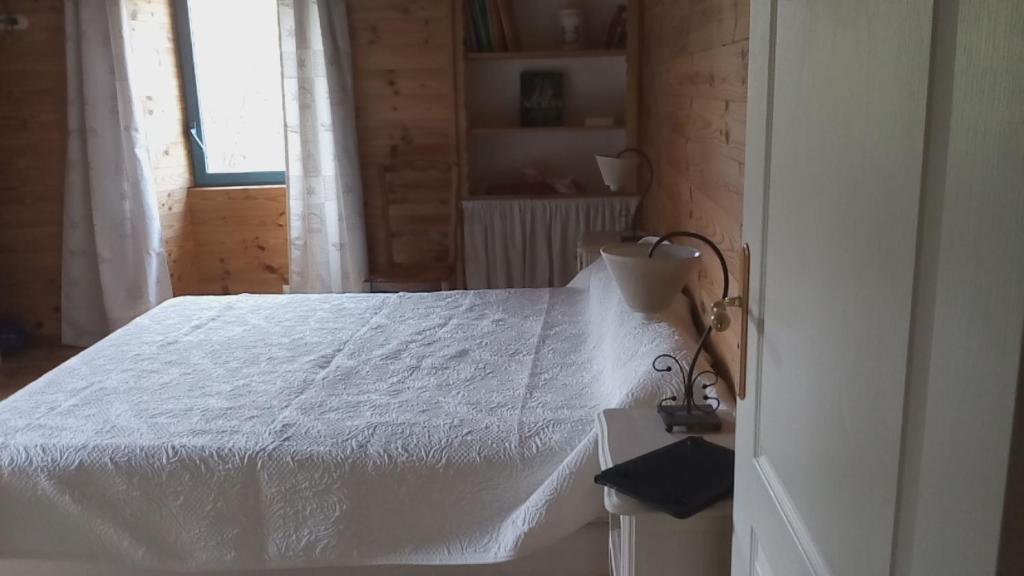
(649, 276)
(616, 171)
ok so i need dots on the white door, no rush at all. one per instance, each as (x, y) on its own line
(836, 131)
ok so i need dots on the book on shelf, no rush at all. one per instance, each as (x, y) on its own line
(490, 26)
(485, 25)
(616, 37)
(482, 29)
(541, 98)
(473, 40)
(508, 24)
(496, 30)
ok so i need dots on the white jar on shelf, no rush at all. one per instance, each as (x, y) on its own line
(572, 28)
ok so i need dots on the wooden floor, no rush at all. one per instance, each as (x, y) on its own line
(24, 367)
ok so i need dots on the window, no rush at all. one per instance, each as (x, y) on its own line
(231, 67)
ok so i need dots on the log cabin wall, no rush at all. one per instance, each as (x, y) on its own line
(32, 152)
(155, 66)
(404, 88)
(403, 59)
(693, 122)
(32, 132)
(241, 240)
(218, 241)
(693, 97)
(230, 240)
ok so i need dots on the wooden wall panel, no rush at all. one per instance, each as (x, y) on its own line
(693, 91)
(405, 98)
(32, 133)
(240, 238)
(155, 65)
(218, 241)
(403, 56)
(32, 150)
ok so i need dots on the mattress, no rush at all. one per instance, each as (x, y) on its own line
(249, 432)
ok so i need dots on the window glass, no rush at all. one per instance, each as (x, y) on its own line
(237, 62)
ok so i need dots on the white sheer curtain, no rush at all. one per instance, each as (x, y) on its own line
(114, 267)
(325, 197)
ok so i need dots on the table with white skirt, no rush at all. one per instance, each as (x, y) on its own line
(532, 242)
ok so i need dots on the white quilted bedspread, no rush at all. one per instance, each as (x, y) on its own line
(326, 430)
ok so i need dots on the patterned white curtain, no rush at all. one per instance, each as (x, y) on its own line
(325, 197)
(114, 267)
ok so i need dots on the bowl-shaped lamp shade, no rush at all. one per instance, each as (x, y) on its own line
(648, 285)
(616, 172)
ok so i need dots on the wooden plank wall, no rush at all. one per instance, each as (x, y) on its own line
(240, 238)
(403, 56)
(33, 124)
(693, 123)
(32, 152)
(155, 65)
(218, 241)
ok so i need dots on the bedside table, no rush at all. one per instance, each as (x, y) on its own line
(643, 541)
(588, 247)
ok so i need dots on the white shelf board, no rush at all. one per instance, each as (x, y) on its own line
(543, 129)
(545, 54)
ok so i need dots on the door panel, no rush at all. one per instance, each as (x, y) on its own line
(761, 566)
(835, 143)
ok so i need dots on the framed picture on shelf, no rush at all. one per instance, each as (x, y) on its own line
(541, 98)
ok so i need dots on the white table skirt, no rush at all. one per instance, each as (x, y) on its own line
(531, 243)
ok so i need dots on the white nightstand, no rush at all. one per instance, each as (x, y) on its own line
(588, 247)
(643, 541)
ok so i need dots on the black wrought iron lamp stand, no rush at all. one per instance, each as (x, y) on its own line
(690, 414)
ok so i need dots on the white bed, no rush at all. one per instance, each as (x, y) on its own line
(256, 432)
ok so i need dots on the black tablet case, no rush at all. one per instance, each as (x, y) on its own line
(681, 479)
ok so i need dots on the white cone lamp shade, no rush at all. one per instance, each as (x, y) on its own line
(616, 172)
(649, 285)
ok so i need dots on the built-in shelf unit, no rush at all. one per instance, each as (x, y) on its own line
(597, 81)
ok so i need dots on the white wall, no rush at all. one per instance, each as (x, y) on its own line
(969, 295)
